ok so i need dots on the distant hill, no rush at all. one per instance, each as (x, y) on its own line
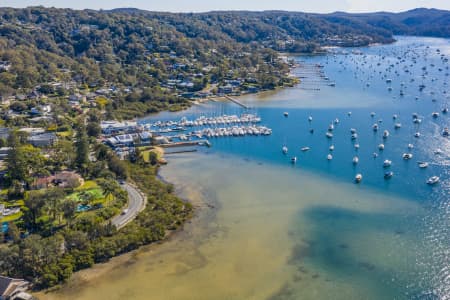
(419, 21)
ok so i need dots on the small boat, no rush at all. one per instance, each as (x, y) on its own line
(433, 180)
(445, 110)
(395, 116)
(331, 148)
(387, 163)
(375, 155)
(423, 165)
(388, 175)
(352, 130)
(355, 160)
(330, 127)
(410, 146)
(445, 132)
(284, 149)
(398, 125)
(438, 151)
(329, 135)
(349, 113)
(286, 114)
(381, 147)
(417, 121)
(311, 131)
(304, 149)
(407, 156)
(375, 127)
(354, 136)
(385, 134)
(372, 114)
(310, 119)
(435, 115)
(356, 146)
(358, 178)
(294, 159)
(329, 157)
(417, 134)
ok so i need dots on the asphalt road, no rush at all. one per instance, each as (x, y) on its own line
(136, 203)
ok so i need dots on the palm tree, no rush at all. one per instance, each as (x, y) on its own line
(108, 187)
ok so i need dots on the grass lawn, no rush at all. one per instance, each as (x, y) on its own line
(64, 134)
(12, 218)
(96, 194)
(88, 185)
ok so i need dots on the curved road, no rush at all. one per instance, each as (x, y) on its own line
(136, 203)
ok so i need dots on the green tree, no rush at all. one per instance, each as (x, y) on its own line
(82, 147)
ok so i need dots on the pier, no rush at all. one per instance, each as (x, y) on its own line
(236, 102)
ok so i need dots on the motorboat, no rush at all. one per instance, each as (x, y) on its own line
(375, 127)
(355, 160)
(410, 146)
(294, 159)
(435, 115)
(286, 114)
(372, 114)
(398, 125)
(352, 130)
(433, 180)
(385, 134)
(329, 157)
(310, 119)
(331, 148)
(329, 135)
(304, 149)
(356, 146)
(423, 165)
(445, 132)
(358, 178)
(387, 163)
(388, 175)
(354, 136)
(375, 155)
(445, 110)
(284, 149)
(417, 134)
(381, 147)
(407, 156)
(395, 116)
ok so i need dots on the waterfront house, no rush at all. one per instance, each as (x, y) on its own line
(12, 289)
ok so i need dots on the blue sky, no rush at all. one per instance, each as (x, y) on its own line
(207, 5)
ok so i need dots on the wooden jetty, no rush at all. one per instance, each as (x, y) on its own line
(236, 101)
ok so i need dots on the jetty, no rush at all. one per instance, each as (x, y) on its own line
(236, 102)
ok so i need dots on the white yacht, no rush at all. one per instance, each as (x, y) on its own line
(304, 149)
(284, 149)
(407, 156)
(329, 157)
(381, 147)
(355, 160)
(387, 163)
(358, 178)
(433, 180)
(329, 135)
(423, 165)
